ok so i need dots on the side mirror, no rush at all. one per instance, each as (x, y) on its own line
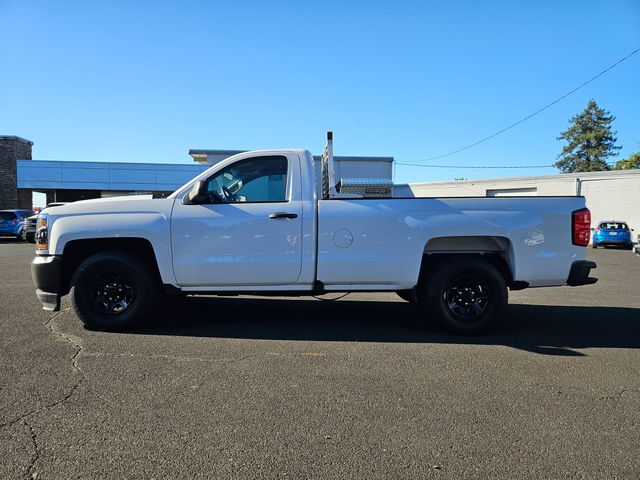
(592, 229)
(198, 194)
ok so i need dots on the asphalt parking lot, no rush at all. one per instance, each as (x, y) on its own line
(302, 388)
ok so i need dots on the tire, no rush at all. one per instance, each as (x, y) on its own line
(594, 245)
(112, 291)
(465, 295)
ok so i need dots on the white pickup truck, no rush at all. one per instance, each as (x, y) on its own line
(275, 223)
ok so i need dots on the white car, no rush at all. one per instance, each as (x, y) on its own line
(29, 230)
(265, 222)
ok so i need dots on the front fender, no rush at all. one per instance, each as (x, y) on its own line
(150, 226)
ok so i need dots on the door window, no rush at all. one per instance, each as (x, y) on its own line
(254, 180)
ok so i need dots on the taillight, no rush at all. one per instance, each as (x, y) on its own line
(580, 227)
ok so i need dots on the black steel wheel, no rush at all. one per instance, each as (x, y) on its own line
(467, 297)
(466, 294)
(112, 291)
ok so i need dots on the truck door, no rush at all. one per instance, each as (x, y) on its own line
(248, 231)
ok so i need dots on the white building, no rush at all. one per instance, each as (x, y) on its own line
(613, 195)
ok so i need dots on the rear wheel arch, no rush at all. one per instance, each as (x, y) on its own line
(496, 250)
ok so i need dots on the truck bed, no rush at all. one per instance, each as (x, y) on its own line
(375, 243)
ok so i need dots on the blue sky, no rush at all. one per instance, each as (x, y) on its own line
(146, 81)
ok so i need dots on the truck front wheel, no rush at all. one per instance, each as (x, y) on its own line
(111, 291)
(465, 295)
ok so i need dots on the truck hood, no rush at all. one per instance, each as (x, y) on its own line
(123, 198)
(130, 203)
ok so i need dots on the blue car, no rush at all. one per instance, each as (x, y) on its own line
(612, 232)
(12, 222)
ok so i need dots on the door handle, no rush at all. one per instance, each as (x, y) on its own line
(283, 215)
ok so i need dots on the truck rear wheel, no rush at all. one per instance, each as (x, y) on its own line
(112, 291)
(465, 295)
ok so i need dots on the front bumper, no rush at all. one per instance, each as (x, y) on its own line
(579, 273)
(50, 301)
(46, 273)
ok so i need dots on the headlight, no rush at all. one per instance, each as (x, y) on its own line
(42, 235)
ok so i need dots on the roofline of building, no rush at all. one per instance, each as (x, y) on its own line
(15, 137)
(201, 151)
(121, 162)
(195, 151)
(557, 176)
(359, 158)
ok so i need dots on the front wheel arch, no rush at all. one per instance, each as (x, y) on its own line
(77, 251)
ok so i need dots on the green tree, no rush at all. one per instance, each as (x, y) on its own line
(632, 162)
(590, 141)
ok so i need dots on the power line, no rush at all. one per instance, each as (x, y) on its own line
(481, 166)
(468, 166)
(522, 120)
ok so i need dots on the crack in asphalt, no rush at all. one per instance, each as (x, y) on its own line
(74, 362)
(618, 395)
(31, 473)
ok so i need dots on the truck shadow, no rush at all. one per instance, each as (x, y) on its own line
(543, 329)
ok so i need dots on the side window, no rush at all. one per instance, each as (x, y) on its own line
(256, 179)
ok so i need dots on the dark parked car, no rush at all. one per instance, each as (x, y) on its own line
(12, 222)
(612, 232)
(29, 230)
